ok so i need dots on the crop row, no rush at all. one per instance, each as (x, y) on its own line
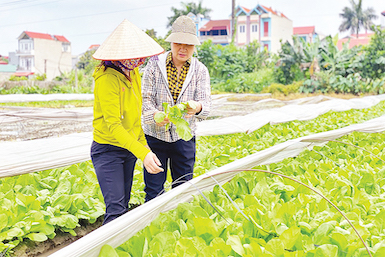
(36, 206)
(259, 214)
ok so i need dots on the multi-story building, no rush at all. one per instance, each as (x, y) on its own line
(199, 20)
(40, 53)
(261, 23)
(218, 31)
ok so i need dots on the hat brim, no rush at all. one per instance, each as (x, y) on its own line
(183, 38)
(127, 41)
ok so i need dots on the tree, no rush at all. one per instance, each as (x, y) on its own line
(355, 18)
(187, 8)
(87, 62)
(161, 41)
(373, 55)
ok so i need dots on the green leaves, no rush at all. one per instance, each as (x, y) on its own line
(175, 114)
(159, 117)
(34, 205)
(108, 251)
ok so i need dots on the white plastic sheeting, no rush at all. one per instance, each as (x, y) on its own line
(253, 121)
(14, 114)
(15, 98)
(121, 229)
(22, 157)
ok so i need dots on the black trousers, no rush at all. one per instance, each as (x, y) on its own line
(181, 157)
(114, 167)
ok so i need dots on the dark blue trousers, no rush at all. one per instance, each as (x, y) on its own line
(181, 158)
(114, 167)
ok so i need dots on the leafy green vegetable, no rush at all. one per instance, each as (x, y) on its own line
(108, 251)
(191, 104)
(159, 117)
(175, 114)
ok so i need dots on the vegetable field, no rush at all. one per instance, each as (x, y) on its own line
(255, 214)
(262, 214)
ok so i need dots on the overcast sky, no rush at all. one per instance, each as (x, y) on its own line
(86, 22)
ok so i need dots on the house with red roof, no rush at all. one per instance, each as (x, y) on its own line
(40, 53)
(260, 23)
(306, 33)
(219, 31)
(355, 40)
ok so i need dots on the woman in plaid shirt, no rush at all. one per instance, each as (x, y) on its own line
(174, 77)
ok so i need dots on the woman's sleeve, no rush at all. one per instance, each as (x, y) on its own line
(149, 93)
(142, 138)
(203, 92)
(109, 98)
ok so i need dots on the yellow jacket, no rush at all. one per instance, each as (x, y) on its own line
(117, 111)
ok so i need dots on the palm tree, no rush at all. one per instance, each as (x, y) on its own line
(355, 18)
(187, 8)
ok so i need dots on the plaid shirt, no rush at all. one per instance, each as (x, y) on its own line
(155, 91)
(174, 82)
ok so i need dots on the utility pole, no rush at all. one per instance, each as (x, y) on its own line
(76, 78)
(232, 21)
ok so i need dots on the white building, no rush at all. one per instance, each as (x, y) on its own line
(261, 23)
(40, 53)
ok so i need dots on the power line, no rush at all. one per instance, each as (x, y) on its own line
(24, 6)
(82, 16)
(15, 2)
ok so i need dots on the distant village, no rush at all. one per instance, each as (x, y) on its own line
(40, 53)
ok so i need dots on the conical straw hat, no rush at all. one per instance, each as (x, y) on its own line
(127, 41)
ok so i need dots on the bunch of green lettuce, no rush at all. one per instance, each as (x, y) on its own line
(175, 114)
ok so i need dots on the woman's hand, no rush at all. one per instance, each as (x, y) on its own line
(152, 163)
(191, 111)
(164, 122)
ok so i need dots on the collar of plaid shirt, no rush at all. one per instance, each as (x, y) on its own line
(175, 83)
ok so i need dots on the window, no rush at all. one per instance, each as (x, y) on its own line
(203, 33)
(215, 32)
(266, 29)
(254, 28)
(25, 45)
(26, 63)
(242, 29)
(65, 47)
(224, 32)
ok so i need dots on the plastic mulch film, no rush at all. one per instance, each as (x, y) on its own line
(22, 157)
(253, 121)
(15, 98)
(14, 114)
(121, 229)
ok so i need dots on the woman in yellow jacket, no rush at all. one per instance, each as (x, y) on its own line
(118, 138)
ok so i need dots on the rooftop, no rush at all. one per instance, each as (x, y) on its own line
(216, 25)
(44, 36)
(303, 30)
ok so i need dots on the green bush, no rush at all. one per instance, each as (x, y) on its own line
(277, 88)
(246, 82)
(352, 84)
(318, 83)
(373, 55)
(16, 78)
(226, 62)
(41, 77)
